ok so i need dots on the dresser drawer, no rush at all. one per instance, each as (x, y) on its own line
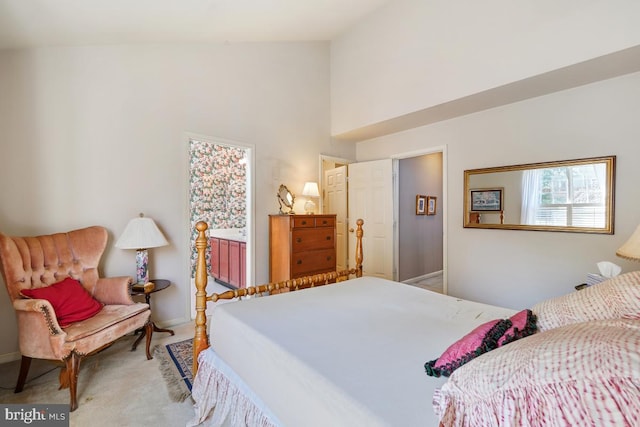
(326, 222)
(301, 221)
(312, 238)
(309, 262)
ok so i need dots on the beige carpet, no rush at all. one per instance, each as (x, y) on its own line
(117, 387)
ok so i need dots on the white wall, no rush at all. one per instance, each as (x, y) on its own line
(411, 55)
(95, 135)
(519, 268)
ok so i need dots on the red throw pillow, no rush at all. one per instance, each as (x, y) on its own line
(70, 300)
(481, 340)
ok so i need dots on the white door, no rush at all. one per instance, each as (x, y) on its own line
(335, 202)
(371, 198)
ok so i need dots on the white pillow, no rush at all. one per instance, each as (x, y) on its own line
(580, 374)
(618, 297)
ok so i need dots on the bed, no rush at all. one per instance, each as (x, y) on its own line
(352, 352)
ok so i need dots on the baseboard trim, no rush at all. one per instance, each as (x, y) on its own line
(423, 277)
(10, 357)
(172, 322)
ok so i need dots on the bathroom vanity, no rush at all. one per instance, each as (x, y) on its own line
(228, 257)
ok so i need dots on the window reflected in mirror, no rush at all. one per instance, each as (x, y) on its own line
(572, 195)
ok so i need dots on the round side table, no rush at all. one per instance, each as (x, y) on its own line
(160, 285)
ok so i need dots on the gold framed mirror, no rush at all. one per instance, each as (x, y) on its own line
(569, 195)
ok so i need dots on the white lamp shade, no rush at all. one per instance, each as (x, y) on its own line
(631, 248)
(141, 233)
(310, 189)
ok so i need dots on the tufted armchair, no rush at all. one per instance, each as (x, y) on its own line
(33, 263)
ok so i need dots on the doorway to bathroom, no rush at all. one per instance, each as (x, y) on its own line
(220, 194)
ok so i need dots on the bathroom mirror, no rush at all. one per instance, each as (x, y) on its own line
(570, 195)
(286, 198)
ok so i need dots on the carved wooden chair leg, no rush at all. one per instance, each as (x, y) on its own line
(148, 332)
(72, 367)
(25, 364)
(63, 377)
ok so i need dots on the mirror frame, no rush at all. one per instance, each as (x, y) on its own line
(283, 195)
(610, 162)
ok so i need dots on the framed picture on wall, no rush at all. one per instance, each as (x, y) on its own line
(421, 202)
(431, 205)
(486, 199)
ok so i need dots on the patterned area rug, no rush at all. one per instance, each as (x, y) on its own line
(176, 360)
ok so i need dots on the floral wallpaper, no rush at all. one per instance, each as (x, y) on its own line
(217, 182)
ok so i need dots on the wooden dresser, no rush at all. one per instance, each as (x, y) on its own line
(300, 245)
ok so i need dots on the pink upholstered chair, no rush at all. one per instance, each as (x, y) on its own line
(30, 265)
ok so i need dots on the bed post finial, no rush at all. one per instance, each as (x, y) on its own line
(200, 339)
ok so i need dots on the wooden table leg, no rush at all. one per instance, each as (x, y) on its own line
(143, 333)
(156, 329)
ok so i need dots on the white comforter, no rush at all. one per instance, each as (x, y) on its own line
(349, 354)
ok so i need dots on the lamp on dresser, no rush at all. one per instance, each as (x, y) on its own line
(141, 234)
(310, 190)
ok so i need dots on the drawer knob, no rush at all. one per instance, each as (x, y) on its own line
(328, 258)
(304, 222)
(328, 237)
(299, 262)
(299, 240)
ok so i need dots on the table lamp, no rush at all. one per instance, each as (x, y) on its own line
(631, 249)
(310, 190)
(140, 234)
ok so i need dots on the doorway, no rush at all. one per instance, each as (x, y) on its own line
(221, 189)
(366, 194)
(402, 164)
(420, 231)
(333, 185)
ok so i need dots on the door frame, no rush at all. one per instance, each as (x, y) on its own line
(250, 270)
(441, 205)
(396, 194)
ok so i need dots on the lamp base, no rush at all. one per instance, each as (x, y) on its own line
(309, 207)
(142, 266)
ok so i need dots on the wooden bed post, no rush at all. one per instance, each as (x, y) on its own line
(359, 234)
(200, 339)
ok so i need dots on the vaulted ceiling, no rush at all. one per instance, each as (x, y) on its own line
(38, 23)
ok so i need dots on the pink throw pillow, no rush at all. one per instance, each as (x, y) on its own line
(480, 340)
(70, 300)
